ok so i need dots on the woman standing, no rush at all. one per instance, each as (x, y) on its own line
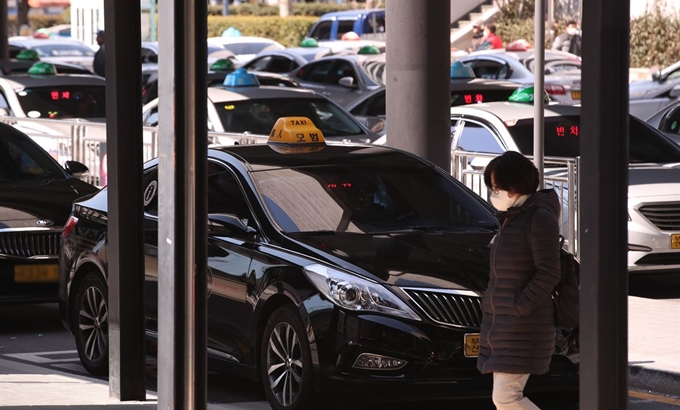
(517, 337)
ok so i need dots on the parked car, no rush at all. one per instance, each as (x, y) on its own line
(343, 79)
(245, 48)
(331, 26)
(332, 268)
(57, 50)
(667, 121)
(465, 89)
(654, 173)
(215, 52)
(246, 109)
(36, 195)
(649, 96)
(562, 70)
(286, 60)
(216, 78)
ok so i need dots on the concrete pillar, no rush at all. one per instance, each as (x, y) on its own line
(418, 78)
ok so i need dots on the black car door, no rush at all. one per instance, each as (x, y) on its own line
(231, 240)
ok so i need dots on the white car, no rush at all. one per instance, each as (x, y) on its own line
(57, 50)
(245, 113)
(245, 48)
(654, 172)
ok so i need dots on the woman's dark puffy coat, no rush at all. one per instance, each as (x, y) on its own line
(518, 324)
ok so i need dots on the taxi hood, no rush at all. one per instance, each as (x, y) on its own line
(653, 180)
(443, 260)
(34, 204)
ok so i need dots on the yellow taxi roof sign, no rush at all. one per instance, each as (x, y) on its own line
(296, 131)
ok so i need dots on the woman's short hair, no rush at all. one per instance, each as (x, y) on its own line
(512, 172)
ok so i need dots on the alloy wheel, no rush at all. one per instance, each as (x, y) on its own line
(93, 324)
(284, 364)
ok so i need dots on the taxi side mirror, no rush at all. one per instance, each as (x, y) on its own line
(656, 76)
(231, 223)
(346, 82)
(76, 169)
(675, 92)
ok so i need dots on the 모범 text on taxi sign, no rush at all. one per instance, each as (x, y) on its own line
(296, 135)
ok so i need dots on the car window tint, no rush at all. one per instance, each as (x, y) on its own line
(477, 138)
(341, 69)
(149, 56)
(259, 116)
(316, 72)
(58, 102)
(367, 198)
(22, 159)
(322, 31)
(488, 69)
(281, 65)
(225, 195)
(377, 106)
(259, 64)
(374, 24)
(646, 144)
(344, 26)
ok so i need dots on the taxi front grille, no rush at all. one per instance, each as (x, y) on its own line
(448, 308)
(670, 258)
(664, 216)
(27, 244)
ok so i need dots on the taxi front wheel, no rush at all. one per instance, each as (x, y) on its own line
(286, 361)
(92, 324)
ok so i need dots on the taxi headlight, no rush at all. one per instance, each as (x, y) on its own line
(355, 293)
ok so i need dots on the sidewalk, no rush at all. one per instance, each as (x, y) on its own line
(653, 346)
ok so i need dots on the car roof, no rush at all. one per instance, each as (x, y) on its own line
(33, 42)
(262, 157)
(26, 80)
(521, 55)
(349, 13)
(518, 111)
(242, 39)
(219, 94)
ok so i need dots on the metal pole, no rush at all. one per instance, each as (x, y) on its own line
(419, 78)
(604, 192)
(4, 46)
(125, 199)
(182, 221)
(539, 88)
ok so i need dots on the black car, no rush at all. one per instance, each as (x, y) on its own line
(349, 269)
(36, 195)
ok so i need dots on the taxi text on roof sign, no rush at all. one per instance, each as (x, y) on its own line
(296, 135)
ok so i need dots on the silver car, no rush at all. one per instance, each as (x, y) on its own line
(649, 96)
(654, 173)
(562, 70)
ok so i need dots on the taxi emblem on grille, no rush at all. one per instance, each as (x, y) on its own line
(44, 222)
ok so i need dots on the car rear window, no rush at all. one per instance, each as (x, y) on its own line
(63, 101)
(562, 135)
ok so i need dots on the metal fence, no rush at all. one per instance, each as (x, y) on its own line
(85, 142)
(561, 174)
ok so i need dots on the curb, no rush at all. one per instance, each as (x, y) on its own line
(657, 381)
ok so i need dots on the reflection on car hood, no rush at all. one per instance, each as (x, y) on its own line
(446, 260)
(653, 180)
(24, 203)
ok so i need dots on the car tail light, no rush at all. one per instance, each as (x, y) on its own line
(68, 227)
(554, 89)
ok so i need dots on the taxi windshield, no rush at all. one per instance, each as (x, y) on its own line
(63, 102)
(259, 116)
(368, 199)
(646, 145)
(21, 160)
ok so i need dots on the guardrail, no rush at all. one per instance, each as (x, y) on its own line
(561, 174)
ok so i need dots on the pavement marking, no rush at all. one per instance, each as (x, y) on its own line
(654, 397)
(38, 357)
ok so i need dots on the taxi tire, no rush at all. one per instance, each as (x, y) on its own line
(95, 284)
(287, 315)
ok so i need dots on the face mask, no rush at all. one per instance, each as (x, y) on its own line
(502, 200)
(572, 31)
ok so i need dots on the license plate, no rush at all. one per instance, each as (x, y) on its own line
(575, 95)
(675, 241)
(36, 273)
(471, 341)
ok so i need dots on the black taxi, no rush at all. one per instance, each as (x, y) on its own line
(332, 268)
